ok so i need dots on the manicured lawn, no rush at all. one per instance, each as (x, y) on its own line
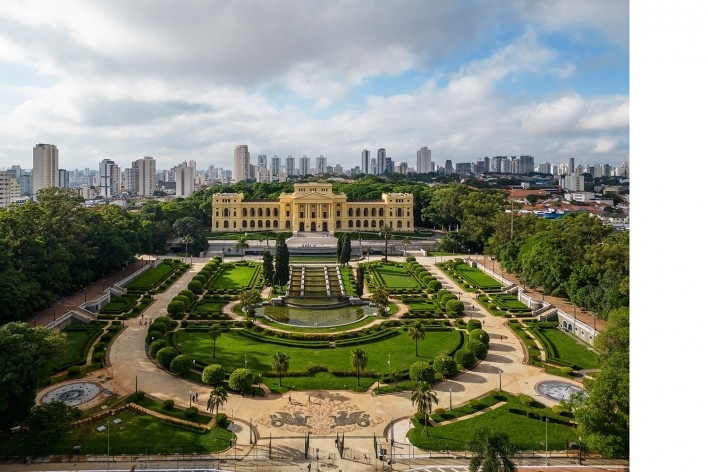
(238, 276)
(153, 277)
(524, 432)
(465, 276)
(232, 350)
(565, 347)
(119, 305)
(208, 307)
(79, 337)
(509, 301)
(311, 329)
(348, 281)
(135, 434)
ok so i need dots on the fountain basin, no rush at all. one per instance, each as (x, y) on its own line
(313, 316)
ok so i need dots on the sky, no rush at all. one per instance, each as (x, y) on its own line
(181, 80)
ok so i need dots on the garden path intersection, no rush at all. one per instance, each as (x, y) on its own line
(286, 419)
(360, 414)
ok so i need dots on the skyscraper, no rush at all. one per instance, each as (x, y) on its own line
(320, 165)
(304, 165)
(365, 158)
(290, 166)
(242, 163)
(275, 168)
(45, 167)
(184, 180)
(263, 160)
(147, 176)
(380, 161)
(9, 188)
(423, 165)
(108, 178)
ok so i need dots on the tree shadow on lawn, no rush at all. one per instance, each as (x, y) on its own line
(497, 358)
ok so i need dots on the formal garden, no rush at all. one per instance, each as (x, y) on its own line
(468, 278)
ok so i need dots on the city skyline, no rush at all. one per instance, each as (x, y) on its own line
(464, 79)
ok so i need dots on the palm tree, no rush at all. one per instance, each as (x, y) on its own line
(367, 250)
(214, 333)
(242, 245)
(406, 242)
(492, 450)
(280, 364)
(359, 360)
(415, 332)
(187, 240)
(423, 398)
(217, 398)
(386, 234)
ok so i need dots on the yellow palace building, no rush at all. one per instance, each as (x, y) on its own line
(312, 207)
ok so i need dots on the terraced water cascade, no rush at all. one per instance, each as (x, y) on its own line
(316, 297)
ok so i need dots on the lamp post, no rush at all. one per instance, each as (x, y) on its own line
(245, 360)
(546, 441)
(84, 294)
(580, 450)
(190, 399)
(500, 372)
(250, 431)
(108, 449)
(450, 398)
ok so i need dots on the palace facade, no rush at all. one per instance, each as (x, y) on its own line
(311, 207)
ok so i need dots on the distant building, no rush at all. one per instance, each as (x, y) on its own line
(365, 161)
(423, 160)
(304, 166)
(147, 176)
(109, 183)
(320, 165)
(275, 168)
(242, 163)
(184, 180)
(380, 161)
(290, 166)
(9, 188)
(45, 167)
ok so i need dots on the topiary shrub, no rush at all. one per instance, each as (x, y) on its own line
(160, 326)
(434, 285)
(477, 347)
(222, 420)
(241, 380)
(175, 308)
(200, 278)
(410, 258)
(168, 404)
(465, 358)
(196, 287)
(445, 365)
(191, 412)
(165, 356)
(181, 364)
(473, 324)
(567, 371)
(213, 374)
(421, 372)
(480, 334)
(454, 307)
(526, 399)
(73, 370)
(156, 345)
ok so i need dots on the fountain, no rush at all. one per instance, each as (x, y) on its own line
(316, 297)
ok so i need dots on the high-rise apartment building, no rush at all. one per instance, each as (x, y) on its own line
(147, 176)
(184, 180)
(45, 170)
(130, 178)
(304, 165)
(423, 164)
(108, 178)
(63, 178)
(380, 161)
(365, 160)
(320, 165)
(290, 166)
(242, 163)
(9, 188)
(275, 168)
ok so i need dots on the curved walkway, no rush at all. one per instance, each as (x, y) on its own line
(361, 415)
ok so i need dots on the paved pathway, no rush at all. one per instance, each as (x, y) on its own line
(359, 415)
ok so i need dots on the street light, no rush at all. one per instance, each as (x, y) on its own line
(580, 450)
(190, 399)
(450, 398)
(500, 372)
(546, 441)
(250, 431)
(84, 294)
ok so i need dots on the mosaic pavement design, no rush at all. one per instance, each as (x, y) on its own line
(323, 414)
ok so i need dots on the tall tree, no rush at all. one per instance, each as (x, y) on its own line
(214, 334)
(380, 298)
(49, 421)
(26, 358)
(603, 415)
(217, 399)
(385, 233)
(268, 268)
(280, 364)
(423, 397)
(359, 360)
(346, 253)
(282, 261)
(416, 332)
(242, 245)
(359, 280)
(492, 451)
(248, 300)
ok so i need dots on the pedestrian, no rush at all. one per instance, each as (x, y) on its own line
(482, 322)
(308, 399)
(289, 399)
(196, 396)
